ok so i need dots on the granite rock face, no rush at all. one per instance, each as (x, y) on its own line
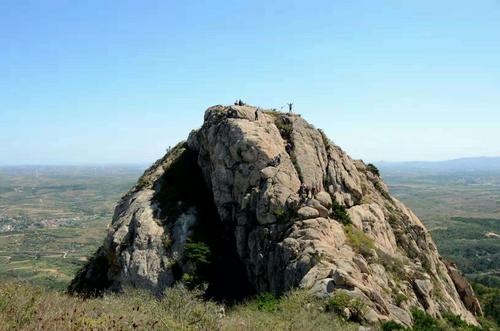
(278, 206)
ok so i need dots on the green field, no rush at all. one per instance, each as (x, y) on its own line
(462, 212)
(53, 218)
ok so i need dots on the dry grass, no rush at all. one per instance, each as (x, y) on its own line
(26, 307)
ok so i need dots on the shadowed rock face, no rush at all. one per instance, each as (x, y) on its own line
(278, 206)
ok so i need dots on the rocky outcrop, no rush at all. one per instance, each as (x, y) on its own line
(259, 200)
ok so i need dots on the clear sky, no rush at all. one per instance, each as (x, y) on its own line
(119, 81)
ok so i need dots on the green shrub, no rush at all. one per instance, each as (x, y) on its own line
(373, 169)
(280, 214)
(400, 298)
(358, 240)
(392, 326)
(457, 323)
(341, 300)
(338, 302)
(167, 241)
(297, 310)
(340, 213)
(381, 190)
(198, 253)
(33, 308)
(266, 301)
(423, 321)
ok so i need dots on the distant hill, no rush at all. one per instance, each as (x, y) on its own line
(468, 164)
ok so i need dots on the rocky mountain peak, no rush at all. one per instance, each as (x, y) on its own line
(261, 201)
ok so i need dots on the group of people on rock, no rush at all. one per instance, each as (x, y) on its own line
(289, 105)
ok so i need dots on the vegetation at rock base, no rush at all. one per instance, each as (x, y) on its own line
(342, 304)
(266, 301)
(28, 307)
(198, 253)
(425, 322)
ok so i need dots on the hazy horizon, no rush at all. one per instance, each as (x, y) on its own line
(147, 164)
(117, 83)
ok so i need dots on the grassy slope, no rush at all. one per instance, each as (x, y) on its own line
(25, 307)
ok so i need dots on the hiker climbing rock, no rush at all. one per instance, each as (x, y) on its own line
(302, 190)
(257, 114)
(288, 148)
(276, 161)
(307, 191)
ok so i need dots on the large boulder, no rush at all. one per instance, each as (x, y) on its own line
(260, 200)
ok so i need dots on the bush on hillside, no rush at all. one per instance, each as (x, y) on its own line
(340, 213)
(373, 169)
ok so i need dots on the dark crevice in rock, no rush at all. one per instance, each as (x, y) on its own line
(182, 187)
(285, 128)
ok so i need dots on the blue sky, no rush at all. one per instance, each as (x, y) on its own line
(85, 82)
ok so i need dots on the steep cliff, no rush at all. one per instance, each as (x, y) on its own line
(259, 200)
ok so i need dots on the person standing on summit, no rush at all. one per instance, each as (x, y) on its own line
(290, 106)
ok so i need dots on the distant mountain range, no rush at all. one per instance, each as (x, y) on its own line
(467, 164)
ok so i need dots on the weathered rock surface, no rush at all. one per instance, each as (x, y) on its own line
(262, 190)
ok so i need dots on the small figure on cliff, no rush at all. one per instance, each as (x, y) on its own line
(288, 148)
(276, 161)
(257, 114)
(290, 107)
(302, 191)
(240, 103)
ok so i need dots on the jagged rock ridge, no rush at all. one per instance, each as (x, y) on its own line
(260, 200)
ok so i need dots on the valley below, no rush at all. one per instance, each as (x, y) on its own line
(52, 219)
